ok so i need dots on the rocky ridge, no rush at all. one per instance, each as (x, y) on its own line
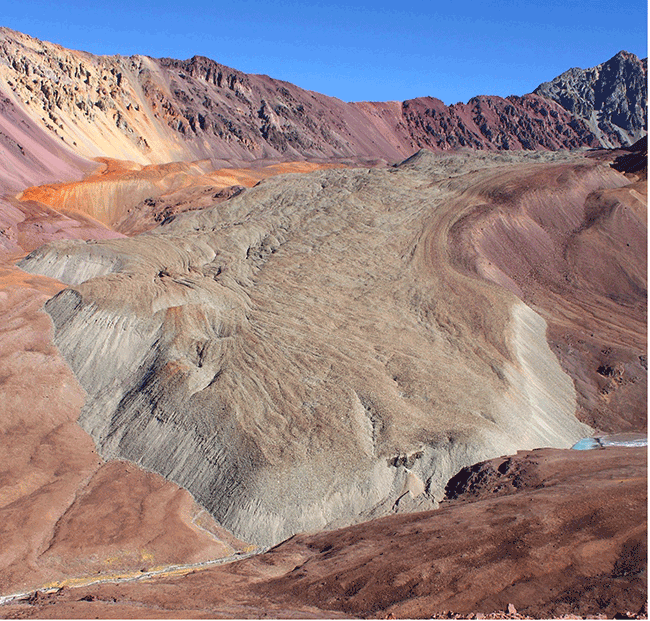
(611, 98)
(161, 110)
(62, 110)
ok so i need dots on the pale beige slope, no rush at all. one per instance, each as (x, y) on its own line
(65, 514)
(94, 105)
(155, 111)
(305, 355)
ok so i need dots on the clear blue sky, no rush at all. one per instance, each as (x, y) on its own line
(364, 50)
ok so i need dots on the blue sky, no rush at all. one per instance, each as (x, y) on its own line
(356, 50)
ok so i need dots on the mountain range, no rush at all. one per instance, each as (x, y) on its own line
(152, 111)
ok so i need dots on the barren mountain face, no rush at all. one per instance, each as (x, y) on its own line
(60, 109)
(611, 98)
(162, 110)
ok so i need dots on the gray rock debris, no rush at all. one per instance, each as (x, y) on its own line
(611, 97)
(304, 356)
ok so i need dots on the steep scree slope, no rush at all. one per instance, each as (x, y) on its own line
(30, 155)
(305, 354)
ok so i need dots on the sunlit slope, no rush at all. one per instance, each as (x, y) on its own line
(123, 195)
(154, 111)
(312, 352)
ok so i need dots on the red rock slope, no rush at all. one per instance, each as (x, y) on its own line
(156, 111)
(570, 541)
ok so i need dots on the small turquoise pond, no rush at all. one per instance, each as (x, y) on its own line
(619, 439)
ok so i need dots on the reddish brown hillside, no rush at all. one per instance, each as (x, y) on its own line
(571, 541)
(493, 123)
(156, 111)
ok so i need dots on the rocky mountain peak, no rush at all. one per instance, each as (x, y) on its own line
(206, 69)
(610, 97)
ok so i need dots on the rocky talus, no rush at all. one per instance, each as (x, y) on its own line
(317, 350)
(611, 98)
